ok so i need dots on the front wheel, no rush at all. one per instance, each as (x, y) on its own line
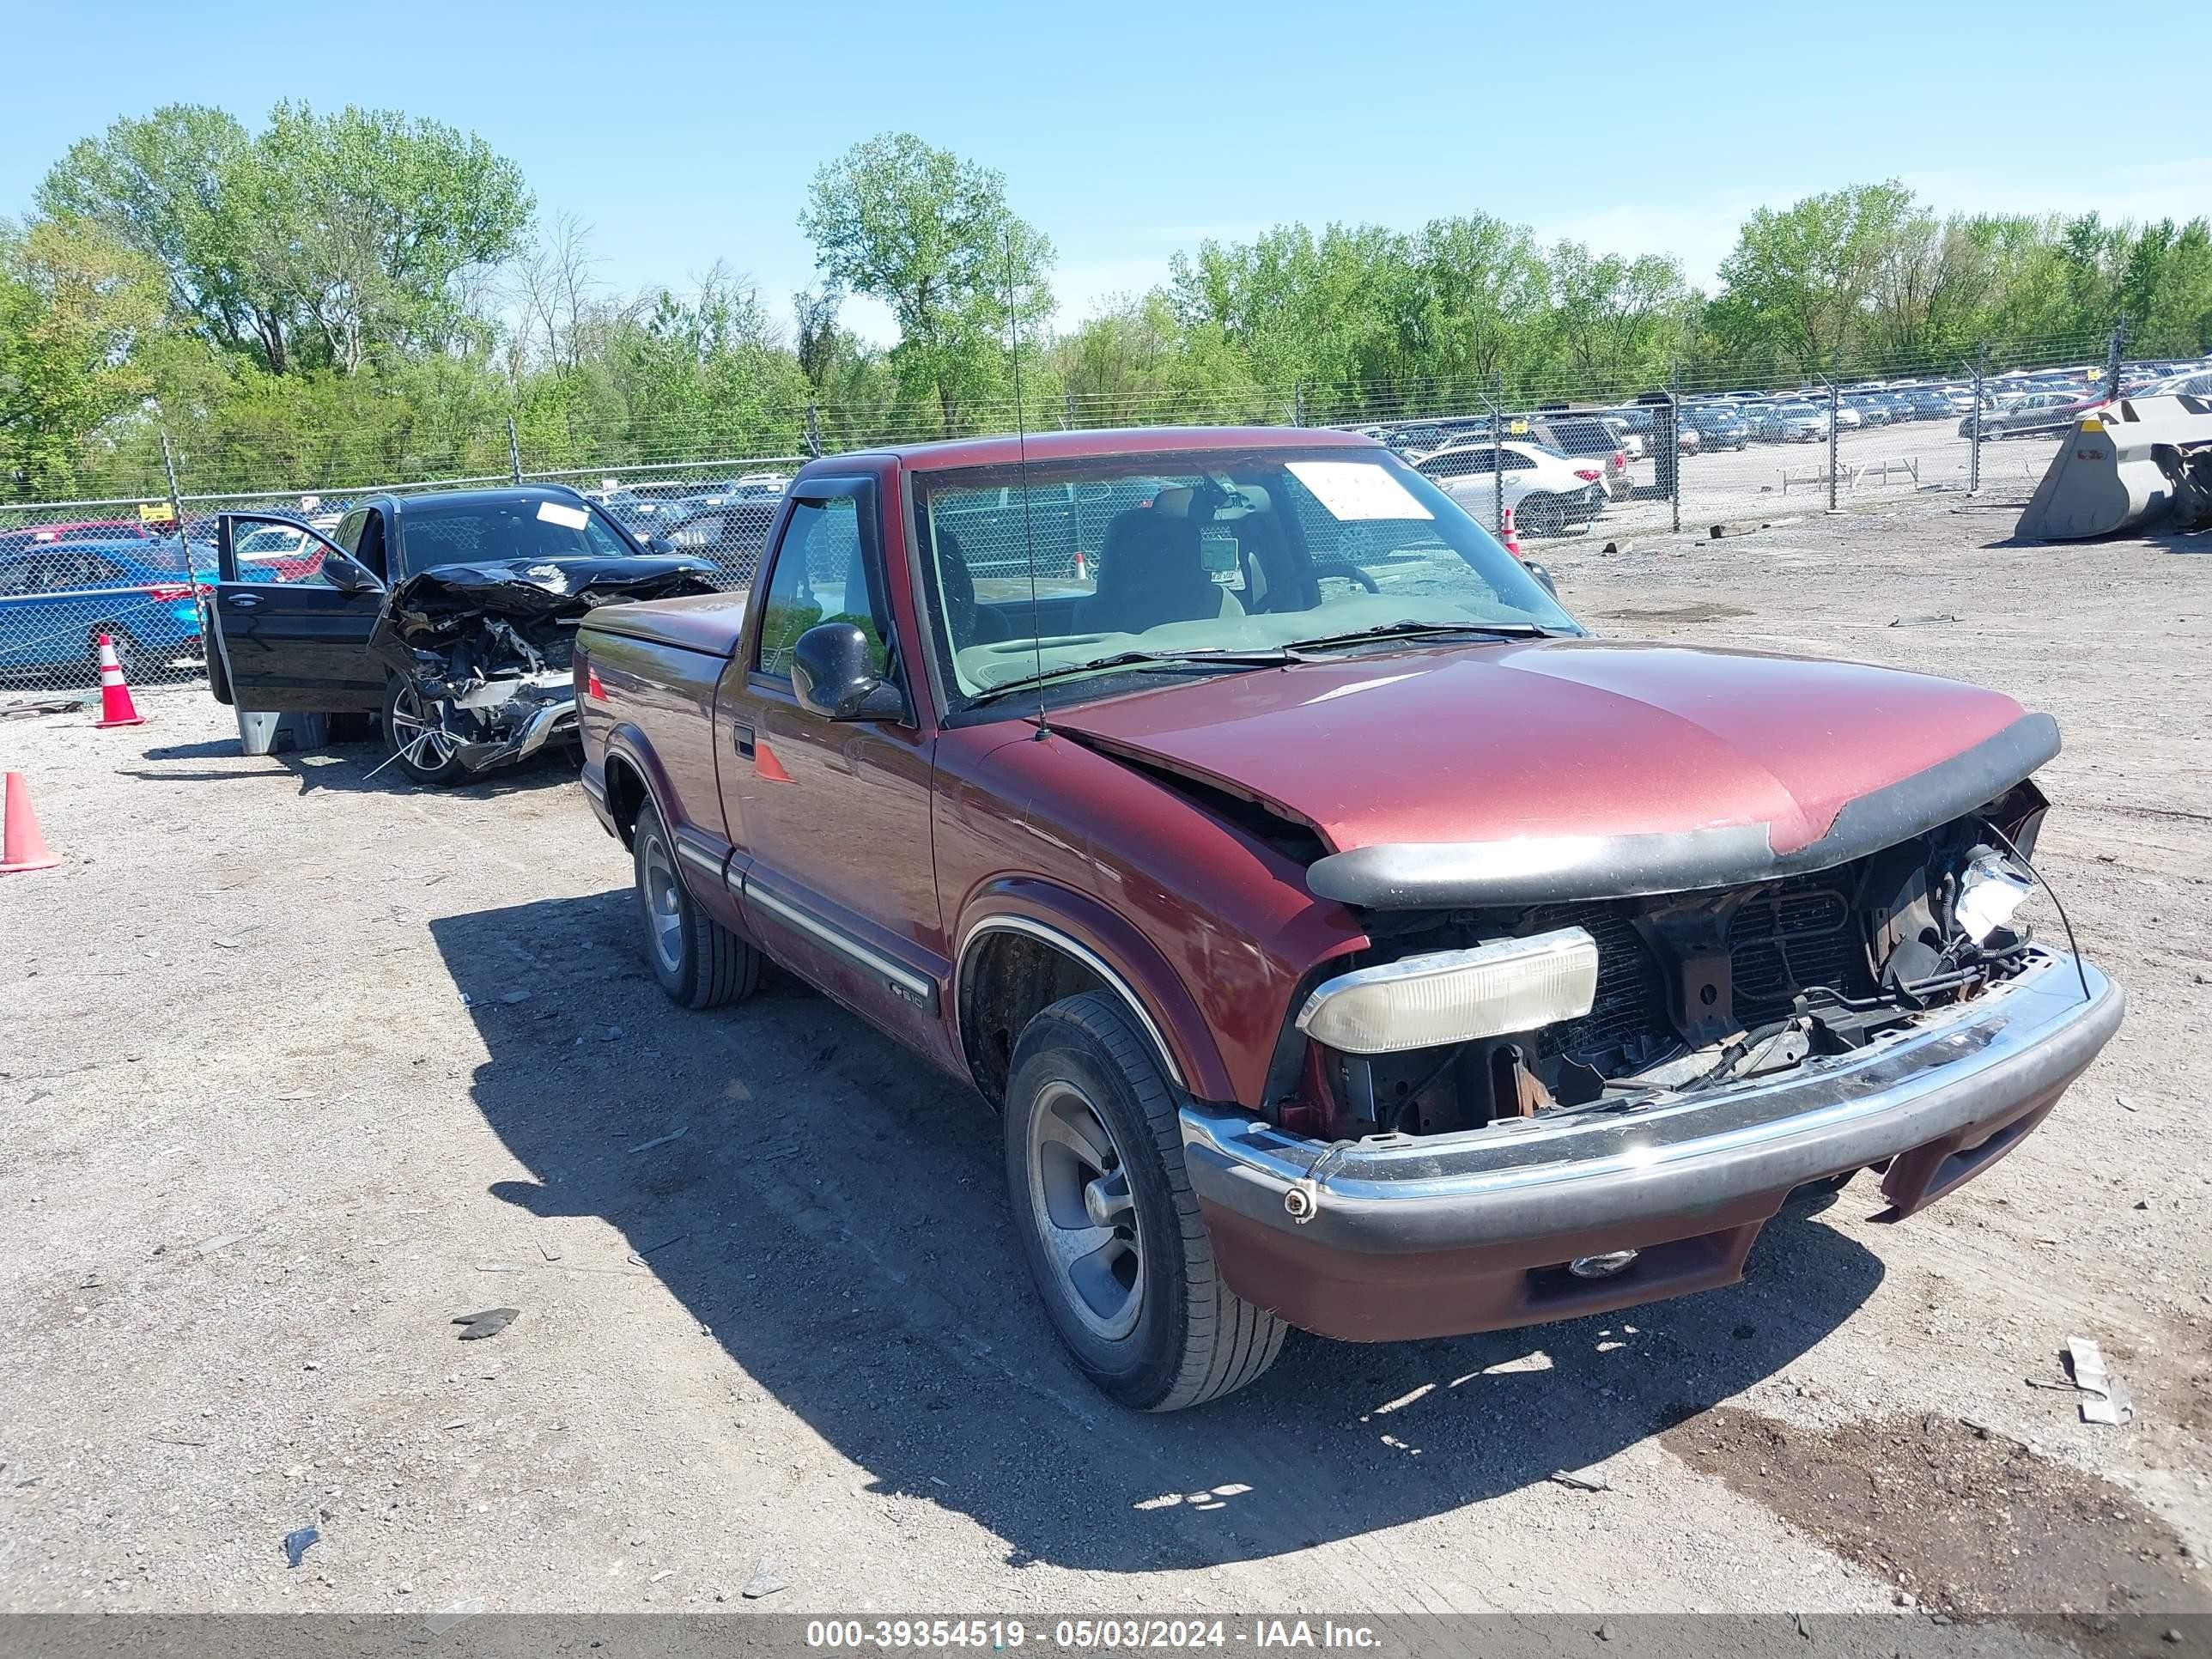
(1108, 1222)
(421, 748)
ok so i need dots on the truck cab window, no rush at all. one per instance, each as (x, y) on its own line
(823, 573)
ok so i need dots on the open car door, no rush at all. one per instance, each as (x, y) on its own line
(290, 637)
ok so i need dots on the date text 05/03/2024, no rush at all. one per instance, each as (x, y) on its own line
(1088, 1635)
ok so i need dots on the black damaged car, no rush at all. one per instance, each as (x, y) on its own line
(452, 617)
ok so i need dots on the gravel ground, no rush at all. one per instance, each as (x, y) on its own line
(305, 1064)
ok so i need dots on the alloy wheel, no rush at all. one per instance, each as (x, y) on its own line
(1085, 1212)
(415, 736)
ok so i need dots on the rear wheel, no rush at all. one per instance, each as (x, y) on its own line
(127, 653)
(1542, 515)
(699, 962)
(420, 746)
(1108, 1222)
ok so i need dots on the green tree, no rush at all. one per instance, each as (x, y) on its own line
(1479, 296)
(164, 185)
(311, 245)
(1800, 276)
(1616, 323)
(931, 236)
(82, 321)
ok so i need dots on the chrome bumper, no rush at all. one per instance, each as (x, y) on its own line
(1963, 1086)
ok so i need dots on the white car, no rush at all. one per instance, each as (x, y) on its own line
(1550, 494)
(2197, 384)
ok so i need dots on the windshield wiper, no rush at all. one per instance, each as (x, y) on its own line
(1405, 630)
(1270, 657)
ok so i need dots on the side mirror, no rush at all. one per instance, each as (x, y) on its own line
(657, 543)
(1543, 575)
(833, 674)
(349, 575)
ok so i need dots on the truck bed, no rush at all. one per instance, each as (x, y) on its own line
(708, 622)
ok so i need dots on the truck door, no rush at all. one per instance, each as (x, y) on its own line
(834, 815)
(290, 638)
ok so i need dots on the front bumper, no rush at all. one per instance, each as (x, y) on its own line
(1422, 1236)
(528, 723)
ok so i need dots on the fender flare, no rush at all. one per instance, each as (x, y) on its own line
(627, 745)
(1106, 944)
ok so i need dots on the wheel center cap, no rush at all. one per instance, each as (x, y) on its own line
(1094, 1203)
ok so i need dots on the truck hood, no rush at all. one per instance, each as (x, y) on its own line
(1579, 769)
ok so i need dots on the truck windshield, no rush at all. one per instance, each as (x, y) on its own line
(1201, 551)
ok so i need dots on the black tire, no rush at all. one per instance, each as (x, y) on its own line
(1180, 1337)
(1541, 515)
(402, 715)
(699, 962)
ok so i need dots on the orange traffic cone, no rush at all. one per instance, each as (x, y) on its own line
(21, 846)
(1512, 535)
(116, 707)
(1082, 566)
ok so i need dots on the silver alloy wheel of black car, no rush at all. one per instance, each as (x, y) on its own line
(1084, 1211)
(421, 746)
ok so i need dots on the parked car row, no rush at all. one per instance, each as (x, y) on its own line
(723, 520)
(2015, 403)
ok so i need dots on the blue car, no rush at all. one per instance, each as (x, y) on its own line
(57, 599)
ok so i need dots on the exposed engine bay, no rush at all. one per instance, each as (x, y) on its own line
(488, 647)
(1697, 990)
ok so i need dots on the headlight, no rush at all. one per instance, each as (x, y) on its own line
(1451, 996)
(1990, 890)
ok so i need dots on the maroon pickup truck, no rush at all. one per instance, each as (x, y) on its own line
(1348, 940)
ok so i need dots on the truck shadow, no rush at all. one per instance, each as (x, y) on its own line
(350, 768)
(833, 1212)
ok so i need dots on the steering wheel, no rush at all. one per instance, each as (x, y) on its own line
(1345, 569)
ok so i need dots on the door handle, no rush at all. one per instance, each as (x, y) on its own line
(242, 602)
(742, 734)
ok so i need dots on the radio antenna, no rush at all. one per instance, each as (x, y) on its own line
(1022, 468)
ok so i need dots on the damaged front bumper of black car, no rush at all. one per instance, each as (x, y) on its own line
(499, 720)
(486, 647)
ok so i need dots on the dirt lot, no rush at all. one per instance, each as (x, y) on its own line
(304, 1064)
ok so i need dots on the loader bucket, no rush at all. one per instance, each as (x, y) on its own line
(2103, 479)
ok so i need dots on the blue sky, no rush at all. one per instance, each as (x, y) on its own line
(684, 134)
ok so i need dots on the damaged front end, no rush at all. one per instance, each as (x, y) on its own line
(486, 647)
(1500, 1115)
(1544, 1007)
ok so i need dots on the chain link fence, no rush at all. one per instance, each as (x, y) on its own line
(1581, 459)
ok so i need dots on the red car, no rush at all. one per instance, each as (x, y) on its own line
(1348, 940)
(31, 536)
